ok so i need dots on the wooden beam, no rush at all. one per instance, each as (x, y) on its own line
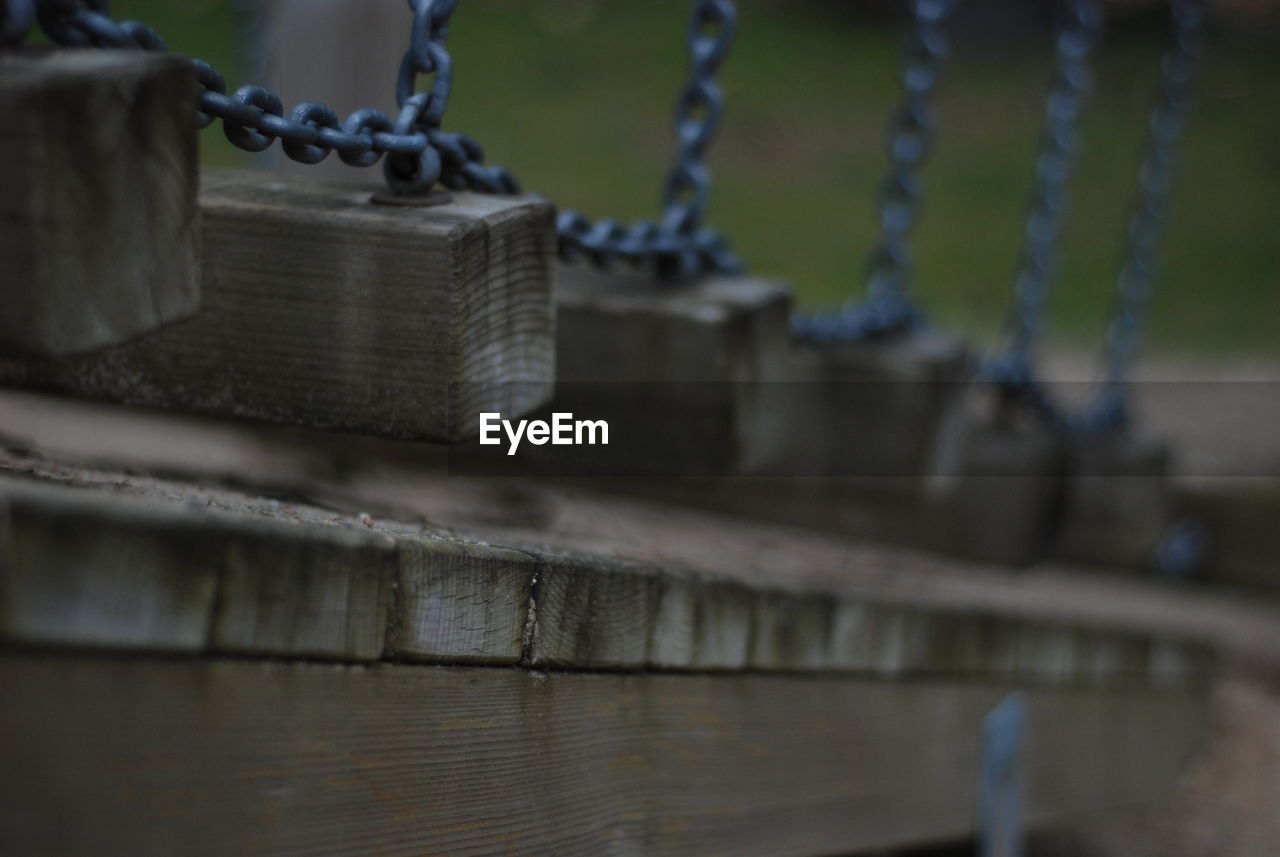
(97, 196)
(1118, 502)
(682, 372)
(88, 567)
(145, 757)
(324, 309)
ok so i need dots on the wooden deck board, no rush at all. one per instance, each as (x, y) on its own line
(209, 758)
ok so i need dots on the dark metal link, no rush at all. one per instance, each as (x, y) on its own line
(1070, 84)
(1109, 410)
(886, 308)
(678, 247)
(1150, 214)
(254, 118)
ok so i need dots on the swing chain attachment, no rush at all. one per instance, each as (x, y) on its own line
(253, 117)
(1109, 411)
(679, 247)
(886, 308)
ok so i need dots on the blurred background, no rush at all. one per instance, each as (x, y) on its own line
(576, 96)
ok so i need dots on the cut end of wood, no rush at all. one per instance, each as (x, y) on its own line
(98, 174)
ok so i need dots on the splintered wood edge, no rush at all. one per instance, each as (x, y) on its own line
(263, 585)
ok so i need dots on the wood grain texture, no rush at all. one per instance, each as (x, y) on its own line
(142, 758)
(326, 310)
(688, 369)
(98, 198)
(315, 596)
(84, 569)
(461, 603)
(300, 581)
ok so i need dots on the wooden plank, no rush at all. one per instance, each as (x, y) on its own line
(875, 409)
(147, 757)
(82, 574)
(1117, 504)
(593, 613)
(81, 569)
(683, 373)
(461, 603)
(324, 309)
(97, 196)
(313, 596)
(299, 580)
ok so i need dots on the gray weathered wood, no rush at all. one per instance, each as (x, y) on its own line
(75, 571)
(291, 580)
(139, 758)
(593, 614)
(324, 309)
(97, 196)
(685, 373)
(461, 603)
(321, 597)
(875, 409)
(1117, 502)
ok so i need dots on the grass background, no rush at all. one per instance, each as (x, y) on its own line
(575, 96)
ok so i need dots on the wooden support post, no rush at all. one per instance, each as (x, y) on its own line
(997, 490)
(1117, 502)
(876, 409)
(97, 198)
(688, 370)
(325, 309)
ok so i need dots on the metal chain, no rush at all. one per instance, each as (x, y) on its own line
(1109, 411)
(679, 246)
(1149, 215)
(1069, 88)
(420, 153)
(887, 308)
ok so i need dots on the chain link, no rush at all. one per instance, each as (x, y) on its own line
(1071, 82)
(253, 118)
(886, 308)
(1149, 214)
(1109, 410)
(679, 246)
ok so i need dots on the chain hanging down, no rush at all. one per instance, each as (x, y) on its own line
(1014, 369)
(679, 246)
(253, 118)
(886, 308)
(1108, 411)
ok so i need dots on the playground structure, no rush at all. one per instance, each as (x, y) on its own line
(760, 637)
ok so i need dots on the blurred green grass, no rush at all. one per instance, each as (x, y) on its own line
(575, 96)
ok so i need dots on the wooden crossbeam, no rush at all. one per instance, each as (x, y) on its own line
(325, 309)
(187, 569)
(688, 372)
(97, 196)
(145, 757)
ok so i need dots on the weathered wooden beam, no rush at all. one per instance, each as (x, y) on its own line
(189, 569)
(325, 309)
(875, 409)
(683, 373)
(1117, 503)
(145, 757)
(97, 196)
